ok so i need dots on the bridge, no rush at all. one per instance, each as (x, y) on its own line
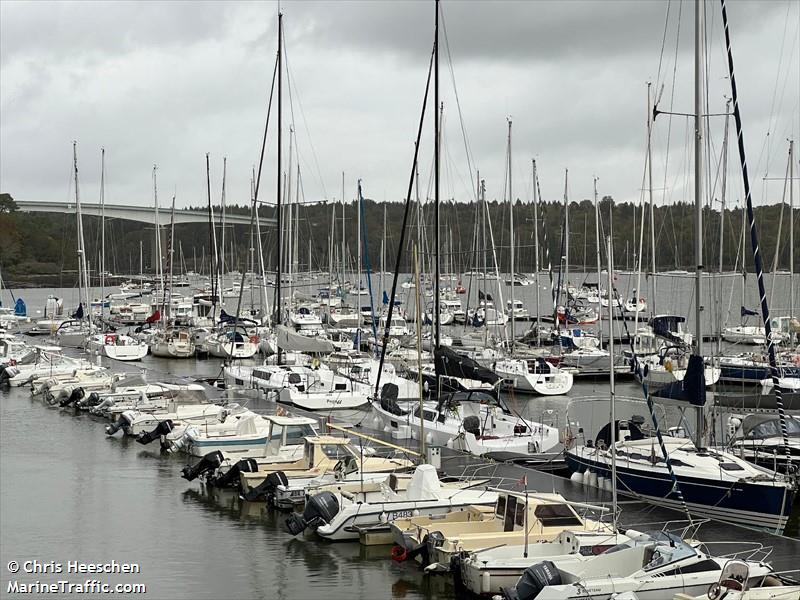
(142, 214)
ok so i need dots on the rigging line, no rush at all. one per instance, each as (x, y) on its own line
(671, 103)
(754, 243)
(406, 211)
(291, 84)
(663, 42)
(465, 137)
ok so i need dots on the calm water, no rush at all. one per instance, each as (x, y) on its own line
(68, 492)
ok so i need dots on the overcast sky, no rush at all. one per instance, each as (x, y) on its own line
(165, 82)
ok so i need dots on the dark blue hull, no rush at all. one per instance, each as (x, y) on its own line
(745, 503)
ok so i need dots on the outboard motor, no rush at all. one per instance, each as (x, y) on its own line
(113, 428)
(472, 424)
(231, 478)
(163, 428)
(320, 508)
(266, 489)
(98, 409)
(430, 541)
(209, 462)
(7, 374)
(533, 581)
(93, 399)
(76, 395)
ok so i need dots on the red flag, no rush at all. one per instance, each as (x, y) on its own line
(156, 316)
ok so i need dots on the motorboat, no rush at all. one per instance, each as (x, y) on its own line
(736, 583)
(517, 517)
(247, 435)
(74, 332)
(117, 346)
(321, 455)
(759, 439)
(48, 361)
(653, 566)
(517, 309)
(533, 375)
(336, 512)
(745, 334)
(486, 572)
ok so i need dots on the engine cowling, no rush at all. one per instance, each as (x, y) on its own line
(77, 394)
(533, 580)
(163, 428)
(231, 478)
(209, 462)
(320, 508)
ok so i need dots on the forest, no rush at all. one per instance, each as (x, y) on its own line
(39, 249)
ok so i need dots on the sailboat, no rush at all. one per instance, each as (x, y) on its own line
(689, 476)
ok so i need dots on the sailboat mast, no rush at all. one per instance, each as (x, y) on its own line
(610, 304)
(211, 237)
(698, 197)
(159, 270)
(652, 205)
(611, 373)
(791, 228)
(511, 227)
(536, 249)
(279, 274)
(436, 124)
(102, 229)
(82, 271)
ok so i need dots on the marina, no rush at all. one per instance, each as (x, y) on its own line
(508, 384)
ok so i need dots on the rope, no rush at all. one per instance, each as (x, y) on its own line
(754, 242)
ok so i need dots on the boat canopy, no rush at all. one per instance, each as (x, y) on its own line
(294, 342)
(449, 362)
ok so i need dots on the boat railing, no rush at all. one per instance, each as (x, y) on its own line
(754, 551)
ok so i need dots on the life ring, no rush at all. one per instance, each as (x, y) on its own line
(253, 339)
(108, 340)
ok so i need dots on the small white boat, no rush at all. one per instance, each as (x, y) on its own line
(117, 346)
(172, 343)
(335, 512)
(534, 375)
(325, 390)
(745, 334)
(232, 343)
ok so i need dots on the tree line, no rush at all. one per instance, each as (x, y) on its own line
(40, 248)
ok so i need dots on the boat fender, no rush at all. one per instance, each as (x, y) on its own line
(533, 581)
(320, 508)
(646, 370)
(163, 428)
(113, 428)
(576, 477)
(266, 489)
(77, 394)
(209, 462)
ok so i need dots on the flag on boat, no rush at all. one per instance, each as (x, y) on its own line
(746, 312)
(78, 314)
(155, 317)
(385, 297)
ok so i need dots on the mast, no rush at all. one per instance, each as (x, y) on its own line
(82, 270)
(599, 268)
(791, 228)
(211, 238)
(536, 250)
(279, 274)
(773, 367)
(565, 279)
(102, 229)
(171, 252)
(723, 193)
(511, 221)
(436, 299)
(159, 266)
(611, 382)
(698, 198)
(652, 205)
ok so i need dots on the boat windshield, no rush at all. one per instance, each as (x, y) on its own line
(661, 548)
(769, 429)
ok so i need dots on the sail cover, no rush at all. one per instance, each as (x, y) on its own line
(294, 342)
(449, 362)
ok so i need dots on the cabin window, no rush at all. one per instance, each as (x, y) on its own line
(511, 507)
(265, 375)
(340, 387)
(501, 506)
(296, 433)
(520, 517)
(294, 378)
(552, 515)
